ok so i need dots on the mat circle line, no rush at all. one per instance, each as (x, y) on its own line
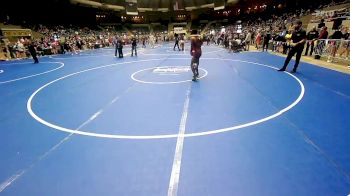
(165, 136)
(33, 75)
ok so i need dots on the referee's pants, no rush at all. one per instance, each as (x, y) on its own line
(294, 50)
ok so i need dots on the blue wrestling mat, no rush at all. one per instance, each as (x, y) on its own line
(92, 124)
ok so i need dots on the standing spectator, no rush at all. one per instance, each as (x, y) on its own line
(258, 40)
(20, 49)
(334, 44)
(176, 42)
(120, 48)
(323, 33)
(151, 40)
(267, 38)
(116, 46)
(321, 24)
(311, 37)
(248, 39)
(321, 42)
(133, 46)
(346, 43)
(62, 42)
(143, 42)
(182, 43)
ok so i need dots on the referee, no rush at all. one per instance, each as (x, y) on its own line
(176, 42)
(32, 51)
(297, 46)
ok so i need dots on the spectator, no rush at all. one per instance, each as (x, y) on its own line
(133, 46)
(321, 24)
(247, 40)
(334, 44)
(311, 37)
(267, 38)
(120, 48)
(323, 33)
(258, 40)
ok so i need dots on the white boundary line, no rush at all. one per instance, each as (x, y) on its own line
(177, 82)
(144, 137)
(30, 76)
(76, 56)
(175, 172)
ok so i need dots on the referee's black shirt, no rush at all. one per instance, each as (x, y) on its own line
(297, 36)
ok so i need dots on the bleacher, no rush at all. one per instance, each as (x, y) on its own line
(329, 14)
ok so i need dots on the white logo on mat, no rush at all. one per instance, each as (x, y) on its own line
(175, 70)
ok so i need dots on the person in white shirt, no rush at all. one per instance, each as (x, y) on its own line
(151, 40)
(247, 40)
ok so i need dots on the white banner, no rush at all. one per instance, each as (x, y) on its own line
(179, 30)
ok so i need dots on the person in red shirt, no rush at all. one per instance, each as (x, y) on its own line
(321, 42)
(196, 53)
(323, 33)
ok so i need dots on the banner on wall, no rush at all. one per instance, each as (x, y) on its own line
(179, 30)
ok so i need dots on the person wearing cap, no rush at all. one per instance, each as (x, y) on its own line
(196, 53)
(297, 46)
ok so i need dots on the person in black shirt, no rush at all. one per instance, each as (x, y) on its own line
(143, 42)
(321, 24)
(133, 46)
(120, 48)
(32, 51)
(116, 46)
(337, 34)
(297, 46)
(176, 42)
(334, 44)
(311, 37)
(267, 38)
